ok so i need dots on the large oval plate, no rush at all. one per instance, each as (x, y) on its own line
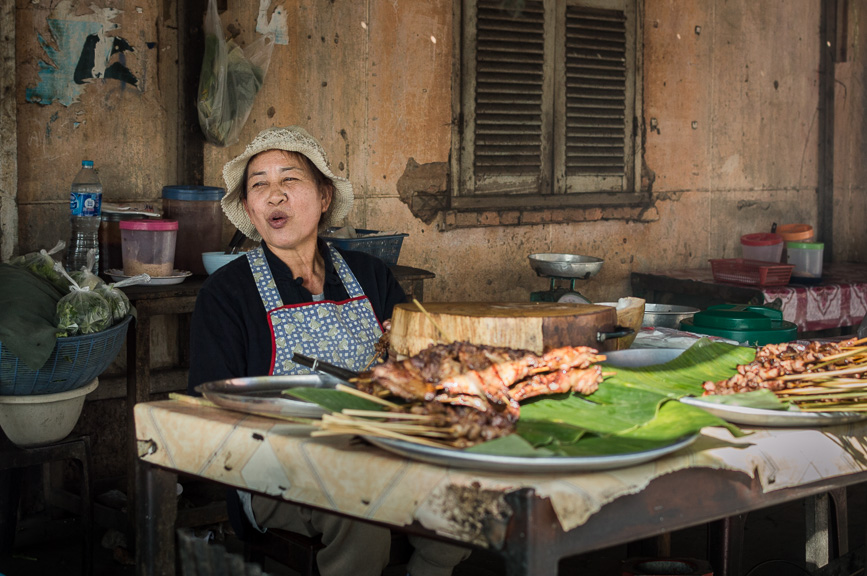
(263, 395)
(454, 458)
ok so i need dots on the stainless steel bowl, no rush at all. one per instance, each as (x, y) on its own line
(565, 265)
(666, 315)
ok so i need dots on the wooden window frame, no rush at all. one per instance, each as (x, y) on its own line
(555, 189)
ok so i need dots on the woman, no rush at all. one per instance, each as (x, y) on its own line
(297, 294)
(282, 191)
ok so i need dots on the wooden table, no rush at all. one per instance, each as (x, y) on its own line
(531, 520)
(838, 301)
(180, 300)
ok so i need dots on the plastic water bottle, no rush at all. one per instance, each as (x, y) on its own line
(85, 208)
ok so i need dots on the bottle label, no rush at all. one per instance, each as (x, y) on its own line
(85, 204)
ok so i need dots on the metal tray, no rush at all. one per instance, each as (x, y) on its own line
(774, 418)
(263, 395)
(454, 458)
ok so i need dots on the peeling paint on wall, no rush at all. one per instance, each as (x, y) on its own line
(276, 26)
(83, 54)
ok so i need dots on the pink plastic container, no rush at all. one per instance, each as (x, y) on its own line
(148, 247)
(762, 246)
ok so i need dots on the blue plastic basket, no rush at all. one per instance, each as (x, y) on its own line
(75, 361)
(386, 248)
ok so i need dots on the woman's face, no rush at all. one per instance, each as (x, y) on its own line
(283, 201)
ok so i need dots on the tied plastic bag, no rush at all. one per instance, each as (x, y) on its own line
(118, 302)
(85, 278)
(82, 311)
(42, 264)
(230, 78)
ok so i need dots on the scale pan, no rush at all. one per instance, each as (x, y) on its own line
(565, 265)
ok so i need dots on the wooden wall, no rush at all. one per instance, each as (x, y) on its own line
(731, 130)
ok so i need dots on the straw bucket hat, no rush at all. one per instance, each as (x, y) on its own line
(291, 139)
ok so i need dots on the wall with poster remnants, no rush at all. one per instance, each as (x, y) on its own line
(97, 83)
(79, 52)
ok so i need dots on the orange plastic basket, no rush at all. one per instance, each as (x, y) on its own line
(750, 272)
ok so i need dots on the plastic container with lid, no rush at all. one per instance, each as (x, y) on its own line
(807, 258)
(200, 223)
(762, 246)
(750, 325)
(796, 232)
(148, 247)
(110, 254)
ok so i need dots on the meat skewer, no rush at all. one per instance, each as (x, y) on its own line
(815, 376)
(461, 394)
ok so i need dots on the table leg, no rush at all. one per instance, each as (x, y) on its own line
(725, 543)
(826, 541)
(9, 497)
(528, 550)
(155, 514)
(137, 390)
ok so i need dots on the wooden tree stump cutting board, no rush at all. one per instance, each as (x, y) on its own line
(535, 326)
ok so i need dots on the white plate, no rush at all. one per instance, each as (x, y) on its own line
(454, 458)
(747, 416)
(177, 277)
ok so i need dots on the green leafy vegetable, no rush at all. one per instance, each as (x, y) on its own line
(82, 311)
(42, 264)
(118, 302)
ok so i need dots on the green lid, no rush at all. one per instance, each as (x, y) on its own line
(754, 325)
(806, 245)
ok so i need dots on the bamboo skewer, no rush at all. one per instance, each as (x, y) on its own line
(446, 336)
(389, 415)
(365, 395)
(823, 374)
(361, 428)
(431, 431)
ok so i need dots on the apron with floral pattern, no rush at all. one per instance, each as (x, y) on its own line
(342, 333)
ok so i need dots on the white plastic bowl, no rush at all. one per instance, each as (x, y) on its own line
(40, 419)
(213, 261)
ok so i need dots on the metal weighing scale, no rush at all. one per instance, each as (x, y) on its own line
(564, 267)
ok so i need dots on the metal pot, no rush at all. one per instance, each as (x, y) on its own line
(666, 315)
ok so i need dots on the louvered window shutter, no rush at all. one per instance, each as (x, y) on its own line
(598, 104)
(511, 108)
(548, 101)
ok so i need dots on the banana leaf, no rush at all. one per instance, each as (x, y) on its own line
(333, 400)
(684, 375)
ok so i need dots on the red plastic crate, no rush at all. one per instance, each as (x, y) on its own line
(750, 272)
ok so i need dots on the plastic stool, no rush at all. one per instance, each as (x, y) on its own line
(13, 457)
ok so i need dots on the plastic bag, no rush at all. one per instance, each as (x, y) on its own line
(85, 278)
(118, 302)
(82, 311)
(230, 78)
(42, 264)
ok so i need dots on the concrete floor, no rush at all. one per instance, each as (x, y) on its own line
(774, 546)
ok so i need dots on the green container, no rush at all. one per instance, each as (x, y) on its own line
(751, 325)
